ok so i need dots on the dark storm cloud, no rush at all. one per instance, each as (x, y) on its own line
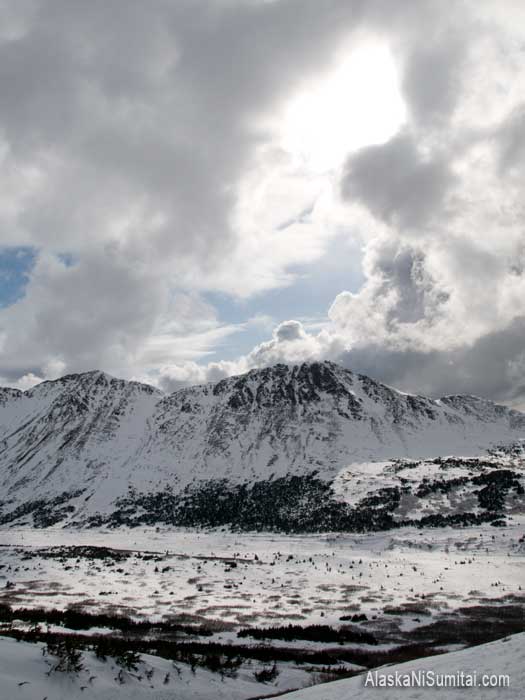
(433, 77)
(402, 268)
(397, 182)
(511, 137)
(493, 366)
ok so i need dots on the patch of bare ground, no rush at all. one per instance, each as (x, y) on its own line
(407, 609)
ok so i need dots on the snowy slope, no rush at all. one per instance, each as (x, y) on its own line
(501, 658)
(318, 416)
(24, 676)
(79, 442)
(70, 434)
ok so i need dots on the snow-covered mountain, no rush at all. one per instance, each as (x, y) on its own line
(75, 445)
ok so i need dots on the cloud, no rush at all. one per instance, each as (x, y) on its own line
(493, 366)
(289, 331)
(142, 168)
(511, 137)
(26, 382)
(290, 344)
(397, 182)
(190, 374)
(125, 135)
(432, 82)
(439, 210)
(95, 311)
(135, 123)
(104, 311)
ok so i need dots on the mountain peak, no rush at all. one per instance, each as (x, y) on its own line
(98, 434)
(88, 381)
(285, 384)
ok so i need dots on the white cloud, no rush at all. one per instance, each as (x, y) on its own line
(142, 141)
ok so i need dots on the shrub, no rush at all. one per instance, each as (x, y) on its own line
(69, 657)
(267, 674)
(128, 659)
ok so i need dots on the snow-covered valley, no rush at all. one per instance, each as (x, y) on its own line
(288, 527)
(256, 579)
(353, 601)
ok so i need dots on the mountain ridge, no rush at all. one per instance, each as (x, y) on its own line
(98, 374)
(97, 436)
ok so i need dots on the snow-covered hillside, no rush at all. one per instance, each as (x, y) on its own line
(313, 416)
(70, 448)
(24, 674)
(496, 668)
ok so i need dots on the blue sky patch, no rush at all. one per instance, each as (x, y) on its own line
(308, 297)
(16, 264)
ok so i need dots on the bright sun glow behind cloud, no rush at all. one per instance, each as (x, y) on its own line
(357, 105)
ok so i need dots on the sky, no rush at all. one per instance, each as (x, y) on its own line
(190, 189)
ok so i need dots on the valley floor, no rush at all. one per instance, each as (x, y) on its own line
(381, 597)
(306, 579)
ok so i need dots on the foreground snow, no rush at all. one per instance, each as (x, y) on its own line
(24, 675)
(498, 660)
